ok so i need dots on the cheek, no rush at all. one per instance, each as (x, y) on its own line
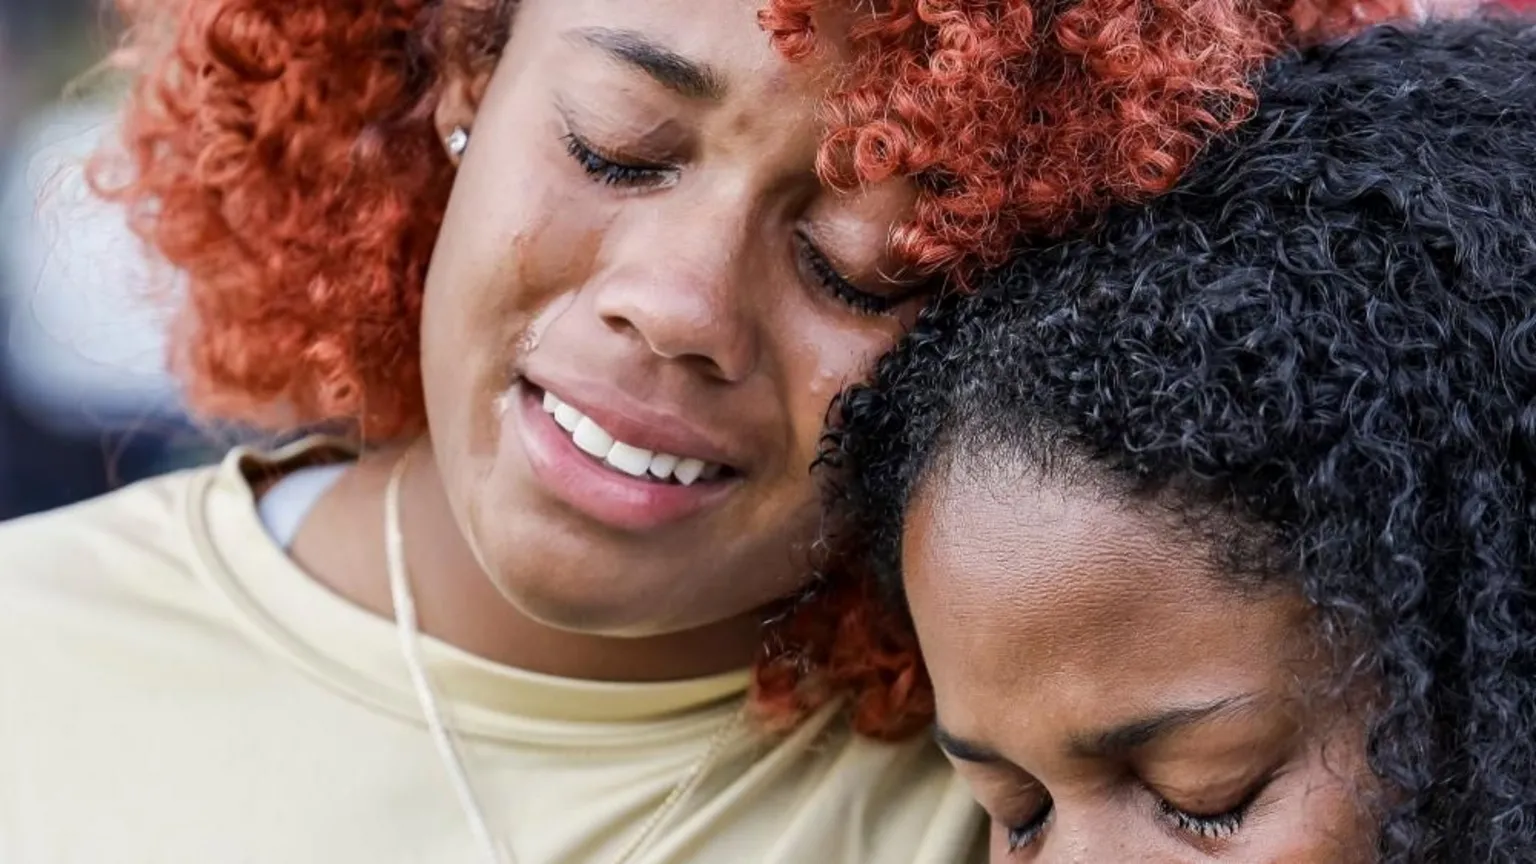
(505, 267)
(523, 226)
(821, 356)
(503, 255)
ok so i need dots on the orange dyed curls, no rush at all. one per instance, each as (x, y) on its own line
(283, 157)
(1026, 117)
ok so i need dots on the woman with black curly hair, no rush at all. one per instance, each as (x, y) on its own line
(1218, 528)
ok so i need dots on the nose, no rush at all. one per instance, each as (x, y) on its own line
(684, 289)
(1098, 838)
(1067, 846)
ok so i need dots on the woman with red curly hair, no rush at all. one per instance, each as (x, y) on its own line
(572, 284)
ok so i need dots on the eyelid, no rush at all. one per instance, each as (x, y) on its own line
(1249, 791)
(1038, 813)
(1239, 787)
(634, 163)
(839, 286)
(1028, 832)
(863, 300)
(614, 175)
(1206, 825)
(1201, 827)
(571, 126)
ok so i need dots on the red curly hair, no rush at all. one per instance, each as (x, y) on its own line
(283, 156)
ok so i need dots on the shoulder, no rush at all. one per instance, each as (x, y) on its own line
(133, 546)
(911, 783)
(885, 802)
(155, 542)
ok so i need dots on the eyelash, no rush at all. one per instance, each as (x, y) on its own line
(612, 173)
(1217, 827)
(833, 283)
(1027, 833)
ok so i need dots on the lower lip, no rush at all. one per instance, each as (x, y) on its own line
(597, 491)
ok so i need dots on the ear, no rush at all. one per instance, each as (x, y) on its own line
(457, 107)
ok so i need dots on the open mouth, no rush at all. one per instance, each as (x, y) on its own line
(628, 459)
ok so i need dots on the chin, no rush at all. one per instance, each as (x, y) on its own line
(561, 569)
(571, 584)
(578, 605)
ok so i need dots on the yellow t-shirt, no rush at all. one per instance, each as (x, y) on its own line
(173, 689)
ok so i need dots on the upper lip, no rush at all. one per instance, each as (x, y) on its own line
(642, 424)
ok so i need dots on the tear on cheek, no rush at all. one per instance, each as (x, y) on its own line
(533, 336)
(502, 404)
(558, 253)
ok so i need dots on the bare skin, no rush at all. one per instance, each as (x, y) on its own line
(1110, 696)
(637, 229)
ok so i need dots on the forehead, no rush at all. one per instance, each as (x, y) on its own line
(1029, 594)
(724, 34)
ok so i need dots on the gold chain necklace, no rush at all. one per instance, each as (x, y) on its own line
(407, 628)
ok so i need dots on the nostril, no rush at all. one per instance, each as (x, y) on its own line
(702, 323)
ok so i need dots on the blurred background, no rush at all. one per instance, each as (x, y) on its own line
(85, 405)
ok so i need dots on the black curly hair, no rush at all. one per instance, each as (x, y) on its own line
(1328, 329)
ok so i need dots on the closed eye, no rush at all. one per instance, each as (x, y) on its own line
(613, 171)
(1217, 827)
(1025, 834)
(821, 271)
(1210, 826)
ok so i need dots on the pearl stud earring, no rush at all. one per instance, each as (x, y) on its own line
(458, 141)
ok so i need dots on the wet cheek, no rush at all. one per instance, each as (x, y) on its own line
(554, 266)
(506, 266)
(553, 251)
(535, 269)
(824, 361)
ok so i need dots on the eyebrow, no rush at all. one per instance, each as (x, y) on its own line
(1110, 742)
(1143, 731)
(690, 78)
(965, 751)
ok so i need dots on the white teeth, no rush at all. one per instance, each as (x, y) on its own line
(631, 460)
(591, 439)
(595, 441)
(662, 465)
(567, 417)
(687, 471)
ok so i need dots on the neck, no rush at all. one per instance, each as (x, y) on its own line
(341, 545)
